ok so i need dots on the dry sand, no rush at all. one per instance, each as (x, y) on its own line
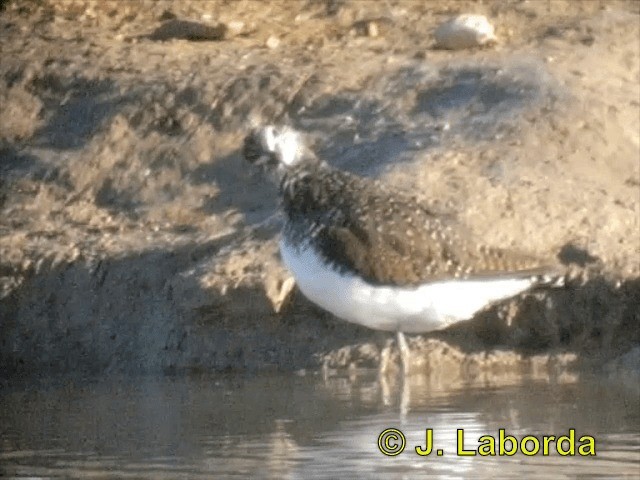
(133, 236)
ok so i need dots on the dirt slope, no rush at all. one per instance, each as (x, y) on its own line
(131, 232)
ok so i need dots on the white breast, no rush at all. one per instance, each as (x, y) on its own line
(427, 307)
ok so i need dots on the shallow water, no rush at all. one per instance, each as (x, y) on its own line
(287, 426)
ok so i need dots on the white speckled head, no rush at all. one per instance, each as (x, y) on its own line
(277, 148)
(285, 143)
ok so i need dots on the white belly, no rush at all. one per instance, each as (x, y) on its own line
(431, 306)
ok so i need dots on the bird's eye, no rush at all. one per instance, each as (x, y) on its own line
(272, 160)
(250, 149)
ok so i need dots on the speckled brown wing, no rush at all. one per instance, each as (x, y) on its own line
(393, 239)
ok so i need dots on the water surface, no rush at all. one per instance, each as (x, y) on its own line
(292, 426)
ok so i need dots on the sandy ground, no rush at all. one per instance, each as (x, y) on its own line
(133, 238)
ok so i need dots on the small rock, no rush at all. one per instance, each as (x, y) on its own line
(187, 30)
(302, 17)
(75, 254)
(167, 15)
(236, 27)
(26, 265)
(273, 42)
(465, 31)
(372, 27)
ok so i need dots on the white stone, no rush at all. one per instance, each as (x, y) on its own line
(236, 27)
(273, 42)
(465, 31)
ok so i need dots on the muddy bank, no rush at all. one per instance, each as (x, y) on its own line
(133, 236)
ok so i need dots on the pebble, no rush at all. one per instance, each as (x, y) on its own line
(236, 27)
(373, 27)
(273, 42)
(465, 31)
(26, 265)
(75, 254)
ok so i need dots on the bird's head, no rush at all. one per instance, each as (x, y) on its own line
(277, 150)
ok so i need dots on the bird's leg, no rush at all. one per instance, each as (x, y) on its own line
(385, 356)
(405, 354)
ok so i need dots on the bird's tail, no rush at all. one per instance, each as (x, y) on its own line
(544, 277)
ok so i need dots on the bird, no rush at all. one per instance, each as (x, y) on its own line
(378, 256)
